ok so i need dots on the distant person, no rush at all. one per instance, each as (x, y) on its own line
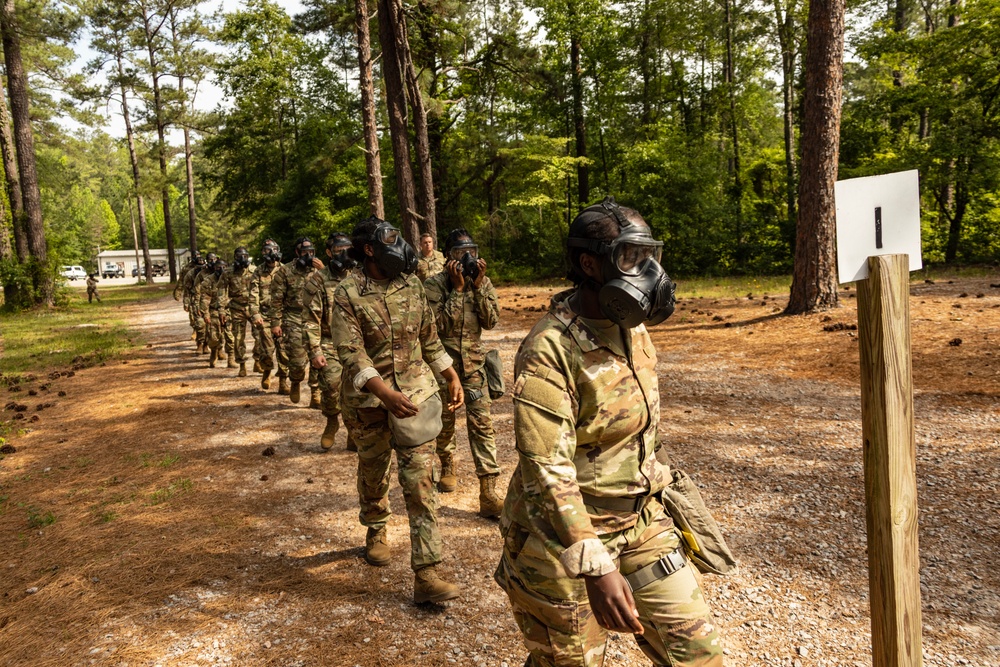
(286, 317)
(389, 348)
(193, 298)
(270, 353)
(465, 303)
(431, 260)
(92, 288)
(317, 309)
(214, 308)
(181, 294)
(588, 547)
(236, 282)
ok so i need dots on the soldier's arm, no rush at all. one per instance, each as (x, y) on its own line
(437, 295)
(350, 341)
(432, 349)
(278, 287)
(545, 416)
(312, 313)
(204, 293)
(253, 296)
(487, 304)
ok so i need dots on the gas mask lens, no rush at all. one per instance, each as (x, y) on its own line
(388, 235)
(458, 252)
(628, 257)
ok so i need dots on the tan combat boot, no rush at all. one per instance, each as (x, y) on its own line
(448, 481)
(199, 348)
(429, 587)
(265, 380)
(293, 393)
(256, 366)
(231, 361)
(315, 401)
(243, 371)
(329, 433)
(283, 386)
(204, 348)
(377, 550)
(490, 504)
(211, 359)
(194, 335)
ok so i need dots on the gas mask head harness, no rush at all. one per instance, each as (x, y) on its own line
(219, 267)
(392, 254)
(270, 253)
(337, 245)
(636, 288)
(465, 251)
(305, 251)
(210, 260)
(241, 258)
(198, 259)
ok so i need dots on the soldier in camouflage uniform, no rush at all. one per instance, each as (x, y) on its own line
(588, 547)
(431, 260)
(389, 348)
(260, 315)
(463, 307)
(179, 290)
(236, 283)
(317, 309)
(286, 317)
(191, 281)
(213, 303)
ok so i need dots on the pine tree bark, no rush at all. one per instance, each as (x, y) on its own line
(17, 82)
(785, 22)
(373, 156)
(392, 72)
(13, 182)
(579, 122)
(737, 169)
(134, 159)
(188, 166)
(814, 280)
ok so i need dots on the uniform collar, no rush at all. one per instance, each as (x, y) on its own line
(587, 337)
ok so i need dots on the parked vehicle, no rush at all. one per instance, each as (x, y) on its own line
(159, 269)
(112, 270)
(73, 272)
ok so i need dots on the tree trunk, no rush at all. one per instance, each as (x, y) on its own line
(955, 219)
(13, 182)
(140, 204)
(373, 158)
(730, 78)
(579, 122)
(428, 207)
(17, 82)
(814, 280)
(135, 240)
(395, 93)
(189, 167)
(785, 21)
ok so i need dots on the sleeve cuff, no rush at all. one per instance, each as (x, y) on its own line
(364, 376)
(441, 363)
(587, 557)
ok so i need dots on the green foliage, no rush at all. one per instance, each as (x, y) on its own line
(39, 519)
(173, 489)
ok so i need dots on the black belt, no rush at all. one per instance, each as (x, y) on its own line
(616, 504)
(661, 569)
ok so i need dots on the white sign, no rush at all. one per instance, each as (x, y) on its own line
(877, 215)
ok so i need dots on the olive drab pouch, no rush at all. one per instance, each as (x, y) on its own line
(494, 375)
(702, 538)
(420, 428)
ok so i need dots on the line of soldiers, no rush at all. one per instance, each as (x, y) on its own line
(290, 312)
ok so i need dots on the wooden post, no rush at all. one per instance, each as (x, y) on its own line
(890, 462)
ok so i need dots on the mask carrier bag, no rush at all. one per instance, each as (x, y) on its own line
(700, 534)
(494, 375)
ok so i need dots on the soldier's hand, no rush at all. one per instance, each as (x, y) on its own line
(186, 309)
(478, 282)
(455, 273)
(612, 603)
(317, 263)
(456, 393)
(176, 298)
(319, 361)
(276, 331)
(208, 320)
(398, 404)
(258, 321)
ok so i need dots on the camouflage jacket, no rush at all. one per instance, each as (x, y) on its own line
(259, 297)
(237, 287)
(430, 266)
(386, 330)
(286, 291)
(461, 317)
(586, 411)
(207, 293)
(91, 284)
(190, 284)
(179, 287)
(317, 307)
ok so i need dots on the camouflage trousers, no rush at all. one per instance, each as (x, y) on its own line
(293, 340)
(238, 319)
(418, 476)
(330, 378)
(477, 421)
(93, 294)
(219, 333)
(270, 351)
(555, 616)
(200, 327)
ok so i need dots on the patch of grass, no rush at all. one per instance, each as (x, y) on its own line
(33, 341)
(728, 288)
(175, 488)
(165, 462)
(84, 461)
(39, 519)
(106, 517)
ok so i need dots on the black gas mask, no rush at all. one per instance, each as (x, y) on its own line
(270, 253)
(241, 258)
(337, 246)
(466, 253)
(210, 260)
(636, 289)
(393, 255)
(199, 260)
(219, 267)
(305, 252)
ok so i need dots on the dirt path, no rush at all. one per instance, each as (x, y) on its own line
(173, 541)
